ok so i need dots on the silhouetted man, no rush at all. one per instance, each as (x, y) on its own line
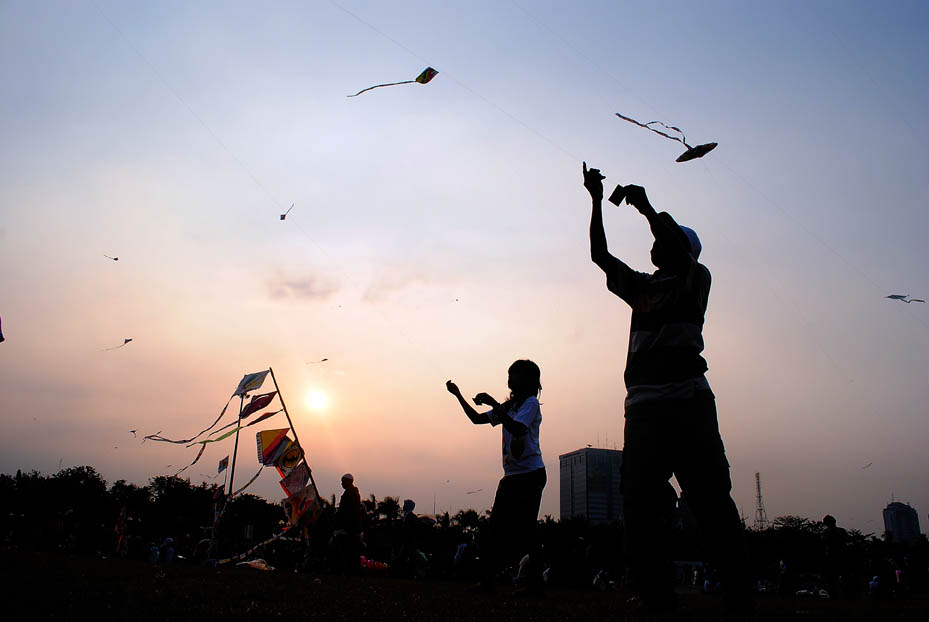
(670, 411)
(349, 525)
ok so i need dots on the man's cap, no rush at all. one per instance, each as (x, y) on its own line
(695, 245)
(349, 477)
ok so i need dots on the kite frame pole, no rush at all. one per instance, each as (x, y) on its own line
(235, 450)
(280, 396)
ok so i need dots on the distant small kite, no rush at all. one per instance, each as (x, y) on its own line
(692, 152)
(133, 432)
(471, 492)
(317, 362)
(867, 465)
(903, 298)
(428, 74)
(113, 258)
(125, 342)
(284, 215)
(2, 338)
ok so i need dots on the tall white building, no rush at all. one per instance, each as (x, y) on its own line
(590, 484)
(901, 522)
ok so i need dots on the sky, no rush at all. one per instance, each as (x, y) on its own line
(440, 232)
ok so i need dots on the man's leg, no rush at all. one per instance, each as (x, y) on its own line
(648, 503)
(702, 470)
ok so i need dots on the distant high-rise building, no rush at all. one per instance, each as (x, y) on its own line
(590, 484)
(901, 522)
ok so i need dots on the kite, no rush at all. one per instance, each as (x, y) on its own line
(133, 432)
(271, 443)
(222, 465)
(471, 492)
(125, 342)
(250, 382)
(867, 465)
(296, 480)
(903, 298)
(288, 459)
(2, 338)
(428, 74)
(317, 362)
(301, 504)
(113, 258)
(284, 215)
(692, 152)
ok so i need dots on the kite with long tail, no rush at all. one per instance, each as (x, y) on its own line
(428, 74)
(125, 342)
(692, 152)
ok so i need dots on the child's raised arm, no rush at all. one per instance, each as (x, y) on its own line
(475, 417)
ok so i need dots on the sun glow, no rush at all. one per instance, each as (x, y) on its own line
(317, 400)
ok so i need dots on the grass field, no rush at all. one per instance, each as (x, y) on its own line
(61, 587)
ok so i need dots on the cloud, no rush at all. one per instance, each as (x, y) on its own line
(392, 281)
(311, 287)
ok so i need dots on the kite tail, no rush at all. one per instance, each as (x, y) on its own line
(199, 453)
(377, 86)
(162, 439)
(659, 132)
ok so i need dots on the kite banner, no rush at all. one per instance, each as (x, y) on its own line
(250, 382)
(296, 480)
(222, 464)
(269, 444)
(423, 78)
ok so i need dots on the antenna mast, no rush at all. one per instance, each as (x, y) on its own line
(761, 517)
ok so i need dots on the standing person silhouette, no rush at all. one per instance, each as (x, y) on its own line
(512, 526)
(670, 411)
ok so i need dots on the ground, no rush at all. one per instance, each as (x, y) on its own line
(63, 587)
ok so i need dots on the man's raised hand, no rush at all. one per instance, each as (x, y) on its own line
(593, 181)
(636, 197)
(453, 388)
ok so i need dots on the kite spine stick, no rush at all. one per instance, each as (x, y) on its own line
(280, 396)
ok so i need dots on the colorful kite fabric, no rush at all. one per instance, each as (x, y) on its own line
(692, 152)
(223, 464)
(250, 382)
(269, 444)
(199, 453)
(157, 436)
(296, 480)
(424, 78)
(288, 459)
(303, 505)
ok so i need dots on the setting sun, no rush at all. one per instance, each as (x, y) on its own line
(317, 400)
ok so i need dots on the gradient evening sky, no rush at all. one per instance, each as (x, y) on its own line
(440, 231)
